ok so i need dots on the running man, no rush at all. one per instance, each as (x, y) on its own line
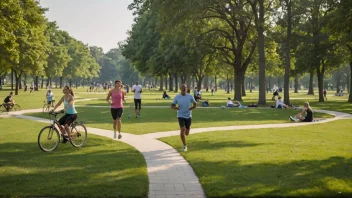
(185, 104)
(117, 95)
(137, 89)
(69, 110)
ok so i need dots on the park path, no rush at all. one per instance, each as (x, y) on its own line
(170, 175)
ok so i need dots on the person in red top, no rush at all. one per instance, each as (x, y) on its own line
(117, 95)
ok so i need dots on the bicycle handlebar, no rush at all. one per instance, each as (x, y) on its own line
(56, 113)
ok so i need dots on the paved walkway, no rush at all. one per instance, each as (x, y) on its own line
(170, 175)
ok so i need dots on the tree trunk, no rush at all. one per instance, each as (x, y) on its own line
(311, 78)
(171, 88)
(12, 72)
(206, 82)
(238, 84)
(42, 84)
(227, 84)
(24, 81)
(37, 81)
(243, 88)
(338, 83)
(61, 82)
(161, 84)
(166, 84)
(287, 57)
(188, 81)
(176, 83)
(348, 83)
(320, 75)
(262, 93)
(199, 80)
(192, 82)
(296, 84)
(18, 81)
(350, 96)
(70, 82)
(216, 83)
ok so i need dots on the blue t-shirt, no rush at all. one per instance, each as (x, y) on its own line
(184, 102)
(49, 96)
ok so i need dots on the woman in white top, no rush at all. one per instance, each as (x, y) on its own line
(231, 103)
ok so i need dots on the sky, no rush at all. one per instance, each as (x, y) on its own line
(101, 23)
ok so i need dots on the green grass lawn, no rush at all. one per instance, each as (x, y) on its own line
(102, 168)
(164, 119)
(301, 161)
(37, 98)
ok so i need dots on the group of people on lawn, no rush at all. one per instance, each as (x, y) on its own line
(183, 103)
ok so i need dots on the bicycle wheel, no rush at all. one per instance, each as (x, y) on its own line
(2, 108)
(16, 107)
(48, 139)
(46, 110)
(78, 135)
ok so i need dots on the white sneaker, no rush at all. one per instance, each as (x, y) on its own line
(184, 148)
(115, 135)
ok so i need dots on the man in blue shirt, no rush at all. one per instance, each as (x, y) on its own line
(184, 103)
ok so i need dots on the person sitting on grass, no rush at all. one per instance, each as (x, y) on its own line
(306, 110)
(280, 104)
(231, 103)
(165, 96)
(205, 103)
(197, 95)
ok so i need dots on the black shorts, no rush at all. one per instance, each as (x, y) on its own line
(49, 102)
(185, 122)
(137, 103)
(67, 119)
(116, 113)
(307, 120)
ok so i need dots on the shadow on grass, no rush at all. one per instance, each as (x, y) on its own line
(314, 178)
(204, 145)
(99, 169)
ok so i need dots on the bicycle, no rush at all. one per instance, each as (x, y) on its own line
(49, 137)
(46, 107)
(9, 107)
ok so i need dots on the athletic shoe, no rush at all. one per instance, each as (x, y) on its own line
(64, 140)
(120, 136)
(184, 148)
(114, 135)
(291, 118)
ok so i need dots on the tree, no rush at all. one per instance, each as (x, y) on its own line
(57, 51)
(31, 40)
(341, 31)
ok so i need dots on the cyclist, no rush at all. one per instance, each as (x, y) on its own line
(8, 101)
(69, 110)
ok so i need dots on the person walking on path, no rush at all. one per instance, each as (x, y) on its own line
(117, 95)
(137, 89)
(184, 103)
